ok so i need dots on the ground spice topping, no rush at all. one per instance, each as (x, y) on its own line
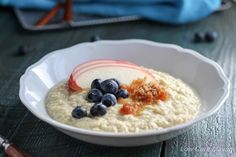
(142, 93)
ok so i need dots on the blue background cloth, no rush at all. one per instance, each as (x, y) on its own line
(169, 11)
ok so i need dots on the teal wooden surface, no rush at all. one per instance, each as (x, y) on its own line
(214, 136)
(16, 122)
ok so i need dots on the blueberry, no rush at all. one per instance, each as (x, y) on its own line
(95, 38)
(198, 37)
(23, 50)
(122, 93)
(94, 95)
(98, 110)
(79, 112)
(118, 83)
(96, 84)
(210, 36)
(109, 86)
(109, 100)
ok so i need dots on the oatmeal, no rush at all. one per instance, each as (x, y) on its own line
(177, 103)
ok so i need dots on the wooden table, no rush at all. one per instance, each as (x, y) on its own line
(215, 136)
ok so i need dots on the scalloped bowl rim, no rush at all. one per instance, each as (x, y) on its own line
(120, 135)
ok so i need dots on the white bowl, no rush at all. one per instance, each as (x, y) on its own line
(202, 74)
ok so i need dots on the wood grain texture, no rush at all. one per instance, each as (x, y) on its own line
(214, 136)
(16, 122)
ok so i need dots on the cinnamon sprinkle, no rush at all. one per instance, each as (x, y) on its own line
(142, 93)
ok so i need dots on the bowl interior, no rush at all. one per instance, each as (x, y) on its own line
(197, 71)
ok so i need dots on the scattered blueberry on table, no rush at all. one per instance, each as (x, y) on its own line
(22, 50)
(211, 36)
(198, 37)
(95, 38)
(79, 112)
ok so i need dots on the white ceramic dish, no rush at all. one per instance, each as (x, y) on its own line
(202, 74)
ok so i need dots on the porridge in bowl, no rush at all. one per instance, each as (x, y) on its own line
(121, 97)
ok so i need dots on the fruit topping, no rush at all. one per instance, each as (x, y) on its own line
(94, 95)
(113, 80)
(109, 100)
(72, 85)
(79, 112)
(118, 82)
(104, 95)
(124, 71)
(122, 93)
(98, 110)
(109, 86)
(96, 84)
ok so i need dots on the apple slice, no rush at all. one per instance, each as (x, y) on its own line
(124, 73)
(72, 84)
(82, 67)
(98, 62)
